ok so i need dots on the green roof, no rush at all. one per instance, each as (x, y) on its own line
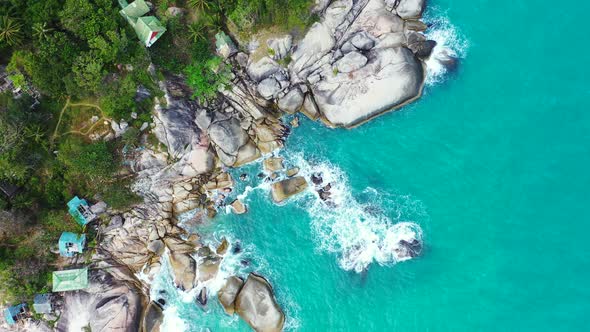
(149, 29)
(69, 280)
(136, 9)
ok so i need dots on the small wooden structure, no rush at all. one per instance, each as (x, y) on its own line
(80, 210)
(15, 313)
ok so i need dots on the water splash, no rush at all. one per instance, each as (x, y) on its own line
(451, 45)
(359, 230)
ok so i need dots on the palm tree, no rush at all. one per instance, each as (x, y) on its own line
(10, 31)
(41, 30)
(196, 31)
(200, 5)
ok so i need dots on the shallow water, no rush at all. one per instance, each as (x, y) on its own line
(492, 164)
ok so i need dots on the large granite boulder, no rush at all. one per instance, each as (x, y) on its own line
(184, 269)
(391, 78)
(107, 304)
(208, 266)
(256, 304)
(152, 318)
(357, 63)
(350, 62)
(410, 8)
(175, 127)
(229, 137)
(262, 68)
(292, 101)
(286, 188)
(228, 293)
(268, 88)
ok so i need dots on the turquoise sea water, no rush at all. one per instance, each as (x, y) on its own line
(492, 163)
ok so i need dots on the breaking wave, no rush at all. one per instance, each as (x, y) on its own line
(360, 230)
(451, 45)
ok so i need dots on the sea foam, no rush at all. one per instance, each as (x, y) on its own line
(359, 231)
(451, 45)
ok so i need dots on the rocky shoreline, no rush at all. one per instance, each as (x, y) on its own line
(363, 58)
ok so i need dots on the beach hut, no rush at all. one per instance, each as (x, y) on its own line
(71, 244)
(42, 304)
(80, 210)
(15, 313)
(69, 280)
(148, 28)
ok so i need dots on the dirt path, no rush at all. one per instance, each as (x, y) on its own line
(63, 110)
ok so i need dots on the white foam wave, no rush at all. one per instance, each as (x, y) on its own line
(451, 45)
(360, 233)
(172, 320)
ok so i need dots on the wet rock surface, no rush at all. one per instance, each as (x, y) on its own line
(256, 304)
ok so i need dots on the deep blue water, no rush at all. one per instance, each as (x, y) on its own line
(492, 163)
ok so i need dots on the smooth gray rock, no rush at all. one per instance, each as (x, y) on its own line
(228, 135)
(203, 119)
(281, 46)
(256, 304)
(292, 101)
(362, 41)
(98, 208)
(268, 88)
(262, 69)
(317, 42)
(410, 8)
(350, 62)
(391, 78)
(176, 128)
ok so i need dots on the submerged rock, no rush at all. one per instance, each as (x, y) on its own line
(227, 294)
(256, 304)
(238, 207)
(273, 164)
(292, 172)
(222, 248)
(284, 189)
(202, 297)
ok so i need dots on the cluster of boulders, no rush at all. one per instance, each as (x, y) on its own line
(363, 58)
(109, 303)
(253, 300)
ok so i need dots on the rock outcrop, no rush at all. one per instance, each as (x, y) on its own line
(255, 303)
(108, 304)
(284, 189)
(228, 293)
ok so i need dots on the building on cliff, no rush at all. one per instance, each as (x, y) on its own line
(71, 244)
(148, 28)
(15, 313)
(80, 210)
(69, 280)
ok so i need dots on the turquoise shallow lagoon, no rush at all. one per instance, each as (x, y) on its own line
(492, 163)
